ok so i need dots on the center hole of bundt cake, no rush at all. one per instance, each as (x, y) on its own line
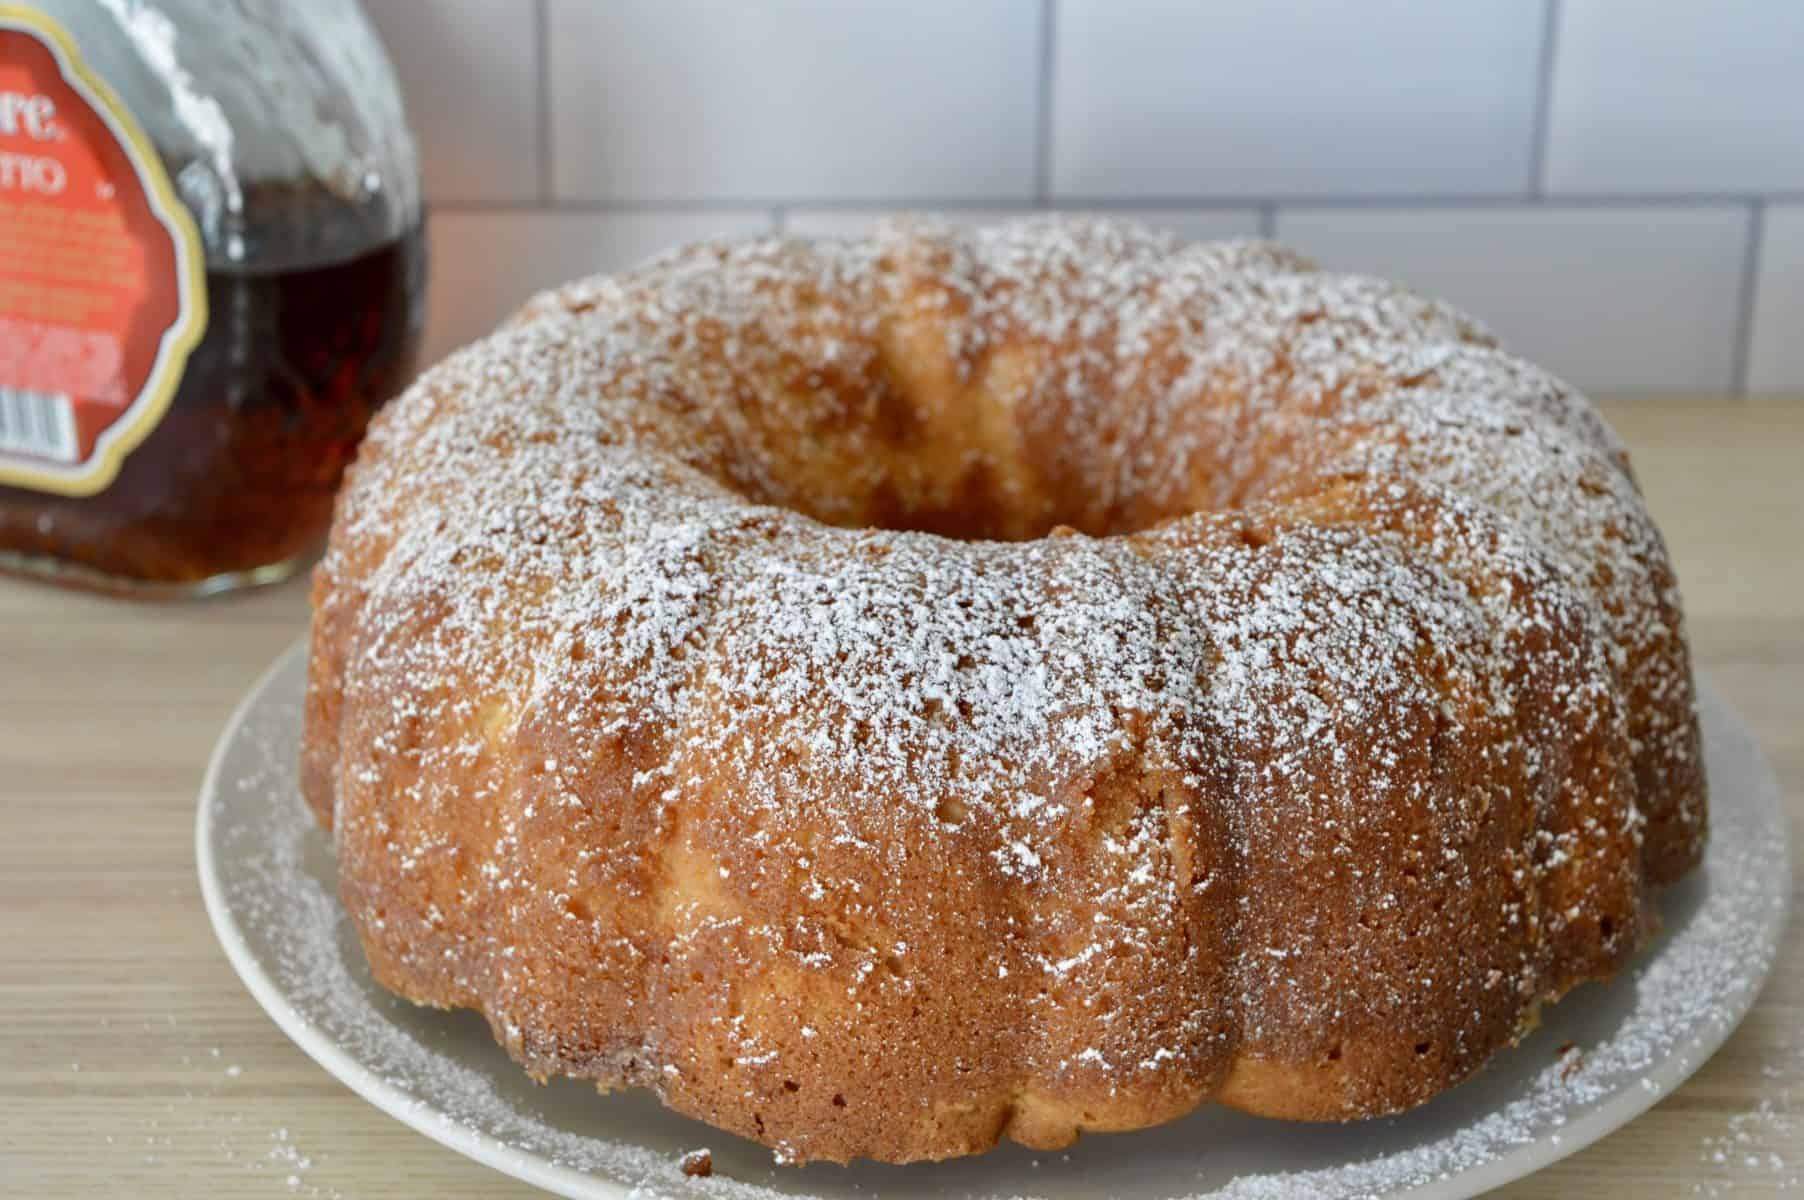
(1005, 442)
(974, 507)
(900, 473)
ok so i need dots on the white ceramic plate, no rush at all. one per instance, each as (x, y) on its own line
(267, 874)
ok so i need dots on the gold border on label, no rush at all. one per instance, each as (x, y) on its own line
(179, 340)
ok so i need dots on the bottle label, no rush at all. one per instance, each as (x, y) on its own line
(102, 280)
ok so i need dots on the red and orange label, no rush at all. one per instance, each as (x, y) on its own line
(102, 284)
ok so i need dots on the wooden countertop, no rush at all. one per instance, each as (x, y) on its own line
(132, 1062)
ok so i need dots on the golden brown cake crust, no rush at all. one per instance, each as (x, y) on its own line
(886, 696)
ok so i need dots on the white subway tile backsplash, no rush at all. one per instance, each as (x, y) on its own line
(1291, 97)
(1557, 179)
(1615, 299)
(794, 98)
(1776, 353)
(469, 70)
(486, 264)
(1198, 225)
(1673, 96)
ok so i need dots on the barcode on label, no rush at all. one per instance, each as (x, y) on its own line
(39, 424)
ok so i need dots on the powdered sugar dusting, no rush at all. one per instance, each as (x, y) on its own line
(274, 887)
(1276, 593)
(1166, 372)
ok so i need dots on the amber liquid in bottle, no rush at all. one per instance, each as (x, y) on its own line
(234, 485)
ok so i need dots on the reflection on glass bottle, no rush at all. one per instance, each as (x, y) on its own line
(227, 287)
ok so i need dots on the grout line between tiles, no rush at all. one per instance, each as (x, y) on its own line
(542, 84)
(1121, 204)
(1513, 200)
(1749, 297)
(1043, 121)
(1537, 146)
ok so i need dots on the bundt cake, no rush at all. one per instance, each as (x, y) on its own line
(892, 694)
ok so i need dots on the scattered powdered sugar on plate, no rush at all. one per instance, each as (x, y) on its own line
(267, 876)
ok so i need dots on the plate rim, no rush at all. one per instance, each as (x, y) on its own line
(1669, 1074)
(313, 1042)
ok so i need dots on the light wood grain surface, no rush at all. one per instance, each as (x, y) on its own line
(133, 1063)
